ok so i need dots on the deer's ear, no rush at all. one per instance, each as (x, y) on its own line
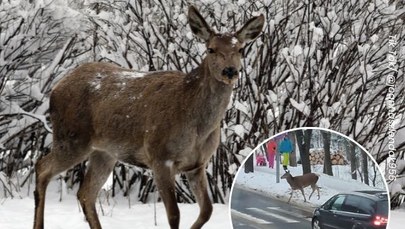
(251, 29)
(198, 25)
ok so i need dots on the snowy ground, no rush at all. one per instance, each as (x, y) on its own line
(397, 219)
(18, 214)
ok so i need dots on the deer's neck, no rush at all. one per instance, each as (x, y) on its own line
(291, 180)
(211, 98)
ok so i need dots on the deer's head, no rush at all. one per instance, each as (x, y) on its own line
(286, 174)
(224, 51)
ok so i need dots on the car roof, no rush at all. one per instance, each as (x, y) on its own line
(375, 195)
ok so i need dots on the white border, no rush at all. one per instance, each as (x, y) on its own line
(307, 128)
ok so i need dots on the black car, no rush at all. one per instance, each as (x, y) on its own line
(353, 210)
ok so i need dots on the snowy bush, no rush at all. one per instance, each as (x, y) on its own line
(317, 63)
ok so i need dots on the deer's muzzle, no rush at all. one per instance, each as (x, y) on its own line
(230, 72)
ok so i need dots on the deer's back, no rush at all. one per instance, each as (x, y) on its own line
(303, 181)
(113, 109)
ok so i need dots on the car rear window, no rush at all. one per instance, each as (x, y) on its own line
(382, 207)
(358, 204)
(367, 206)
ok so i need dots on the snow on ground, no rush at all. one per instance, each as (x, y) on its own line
(397, 219)
(264, 180)
(19, 213)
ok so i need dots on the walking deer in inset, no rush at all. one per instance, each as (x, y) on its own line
(301, 182)
(167, 121)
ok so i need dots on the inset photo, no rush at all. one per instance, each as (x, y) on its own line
(309, 178)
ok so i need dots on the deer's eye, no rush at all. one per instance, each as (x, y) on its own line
(210, 50)
(241, 50)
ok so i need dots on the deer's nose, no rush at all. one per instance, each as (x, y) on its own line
(230, 72)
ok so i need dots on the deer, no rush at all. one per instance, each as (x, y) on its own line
(166, 121)
(301, 182)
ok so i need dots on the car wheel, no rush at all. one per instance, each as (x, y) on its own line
(316, 224)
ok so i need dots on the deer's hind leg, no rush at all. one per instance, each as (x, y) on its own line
(314, 187)
(61, 157)
(100, 166)
(198, 184)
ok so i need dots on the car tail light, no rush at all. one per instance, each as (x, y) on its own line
(379, 220)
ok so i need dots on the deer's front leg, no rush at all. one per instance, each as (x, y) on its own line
(198, 184)
(303, 194)
(291, 194)
(164, 179)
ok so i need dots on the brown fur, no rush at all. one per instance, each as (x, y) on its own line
(301, 182)
(166, 121)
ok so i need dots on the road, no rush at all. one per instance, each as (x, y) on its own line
(251, 210)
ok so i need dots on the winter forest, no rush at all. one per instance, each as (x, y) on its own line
(322, 63)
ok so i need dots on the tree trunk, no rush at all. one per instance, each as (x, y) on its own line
(303, 142)
(306, 165)
(249, 164)
(364, 166)
(299, 136)
(327, 164)
(353, 161)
